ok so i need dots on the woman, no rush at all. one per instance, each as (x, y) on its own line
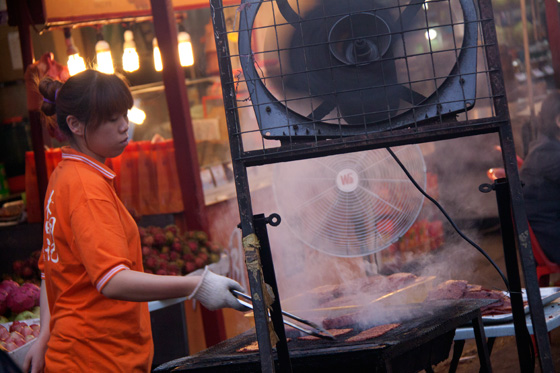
(540, 175)
(94, 315)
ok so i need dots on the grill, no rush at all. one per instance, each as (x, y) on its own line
(422, 340)
(315, 78)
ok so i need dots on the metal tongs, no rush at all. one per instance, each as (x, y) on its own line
(317, 330)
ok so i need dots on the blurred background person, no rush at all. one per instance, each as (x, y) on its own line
(540, 174)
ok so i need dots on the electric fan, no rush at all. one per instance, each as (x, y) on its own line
(352, 204)
(330, 68)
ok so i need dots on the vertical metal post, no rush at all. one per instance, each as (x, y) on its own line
(510, 254)
(519, 216)
(250, 241)
(521, 229)
(482, 347)
(284, 363)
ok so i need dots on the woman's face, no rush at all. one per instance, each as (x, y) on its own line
(109, 139)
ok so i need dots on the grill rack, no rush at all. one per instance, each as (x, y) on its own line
(421, 341)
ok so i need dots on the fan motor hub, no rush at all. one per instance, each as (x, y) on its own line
(359, 39)
(347, 180)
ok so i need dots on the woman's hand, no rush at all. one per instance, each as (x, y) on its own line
(214, 292)
(35, 359)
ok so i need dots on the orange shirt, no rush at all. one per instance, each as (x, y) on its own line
(88, 237)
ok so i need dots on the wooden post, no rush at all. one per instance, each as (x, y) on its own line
(36, 127)
(553, 27)
(527, 60)
(180, 116)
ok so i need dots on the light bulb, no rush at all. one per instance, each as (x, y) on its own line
(104, 59)
(158, 65)
(130, 59)
(186, 56)
(431, 34)
(75, 63)
(136, 115)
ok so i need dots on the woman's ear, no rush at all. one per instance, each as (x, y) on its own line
(76, 126)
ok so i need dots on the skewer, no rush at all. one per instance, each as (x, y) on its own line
(325, 335)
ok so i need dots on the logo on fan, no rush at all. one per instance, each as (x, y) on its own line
(347, 180)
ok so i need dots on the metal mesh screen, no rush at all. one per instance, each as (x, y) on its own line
(298, 74)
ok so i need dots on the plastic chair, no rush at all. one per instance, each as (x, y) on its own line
(544, 266)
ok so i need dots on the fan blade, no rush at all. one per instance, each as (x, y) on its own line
(288, 13)
(407, 94)
(362, 223)
(410, 12)
(322, 110)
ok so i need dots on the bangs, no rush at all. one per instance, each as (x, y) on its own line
(112, 96)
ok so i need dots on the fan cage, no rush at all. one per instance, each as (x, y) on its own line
(351, 205)
(267, 126)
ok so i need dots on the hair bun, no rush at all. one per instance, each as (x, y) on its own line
(49, 89)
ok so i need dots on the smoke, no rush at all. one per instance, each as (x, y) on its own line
(460, 167)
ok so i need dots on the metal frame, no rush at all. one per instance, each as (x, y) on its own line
(439, 129)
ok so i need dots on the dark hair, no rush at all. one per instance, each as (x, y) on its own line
(550, 110)
(92, 97)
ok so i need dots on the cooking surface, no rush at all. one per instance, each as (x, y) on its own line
(426, 334)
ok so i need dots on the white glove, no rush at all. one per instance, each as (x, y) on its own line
(214, 292)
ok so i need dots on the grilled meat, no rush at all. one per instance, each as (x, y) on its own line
(334, 332)
(460, 289)
(374, 332)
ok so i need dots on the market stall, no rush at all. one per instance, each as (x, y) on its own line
(161, 179)
(179, 172)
